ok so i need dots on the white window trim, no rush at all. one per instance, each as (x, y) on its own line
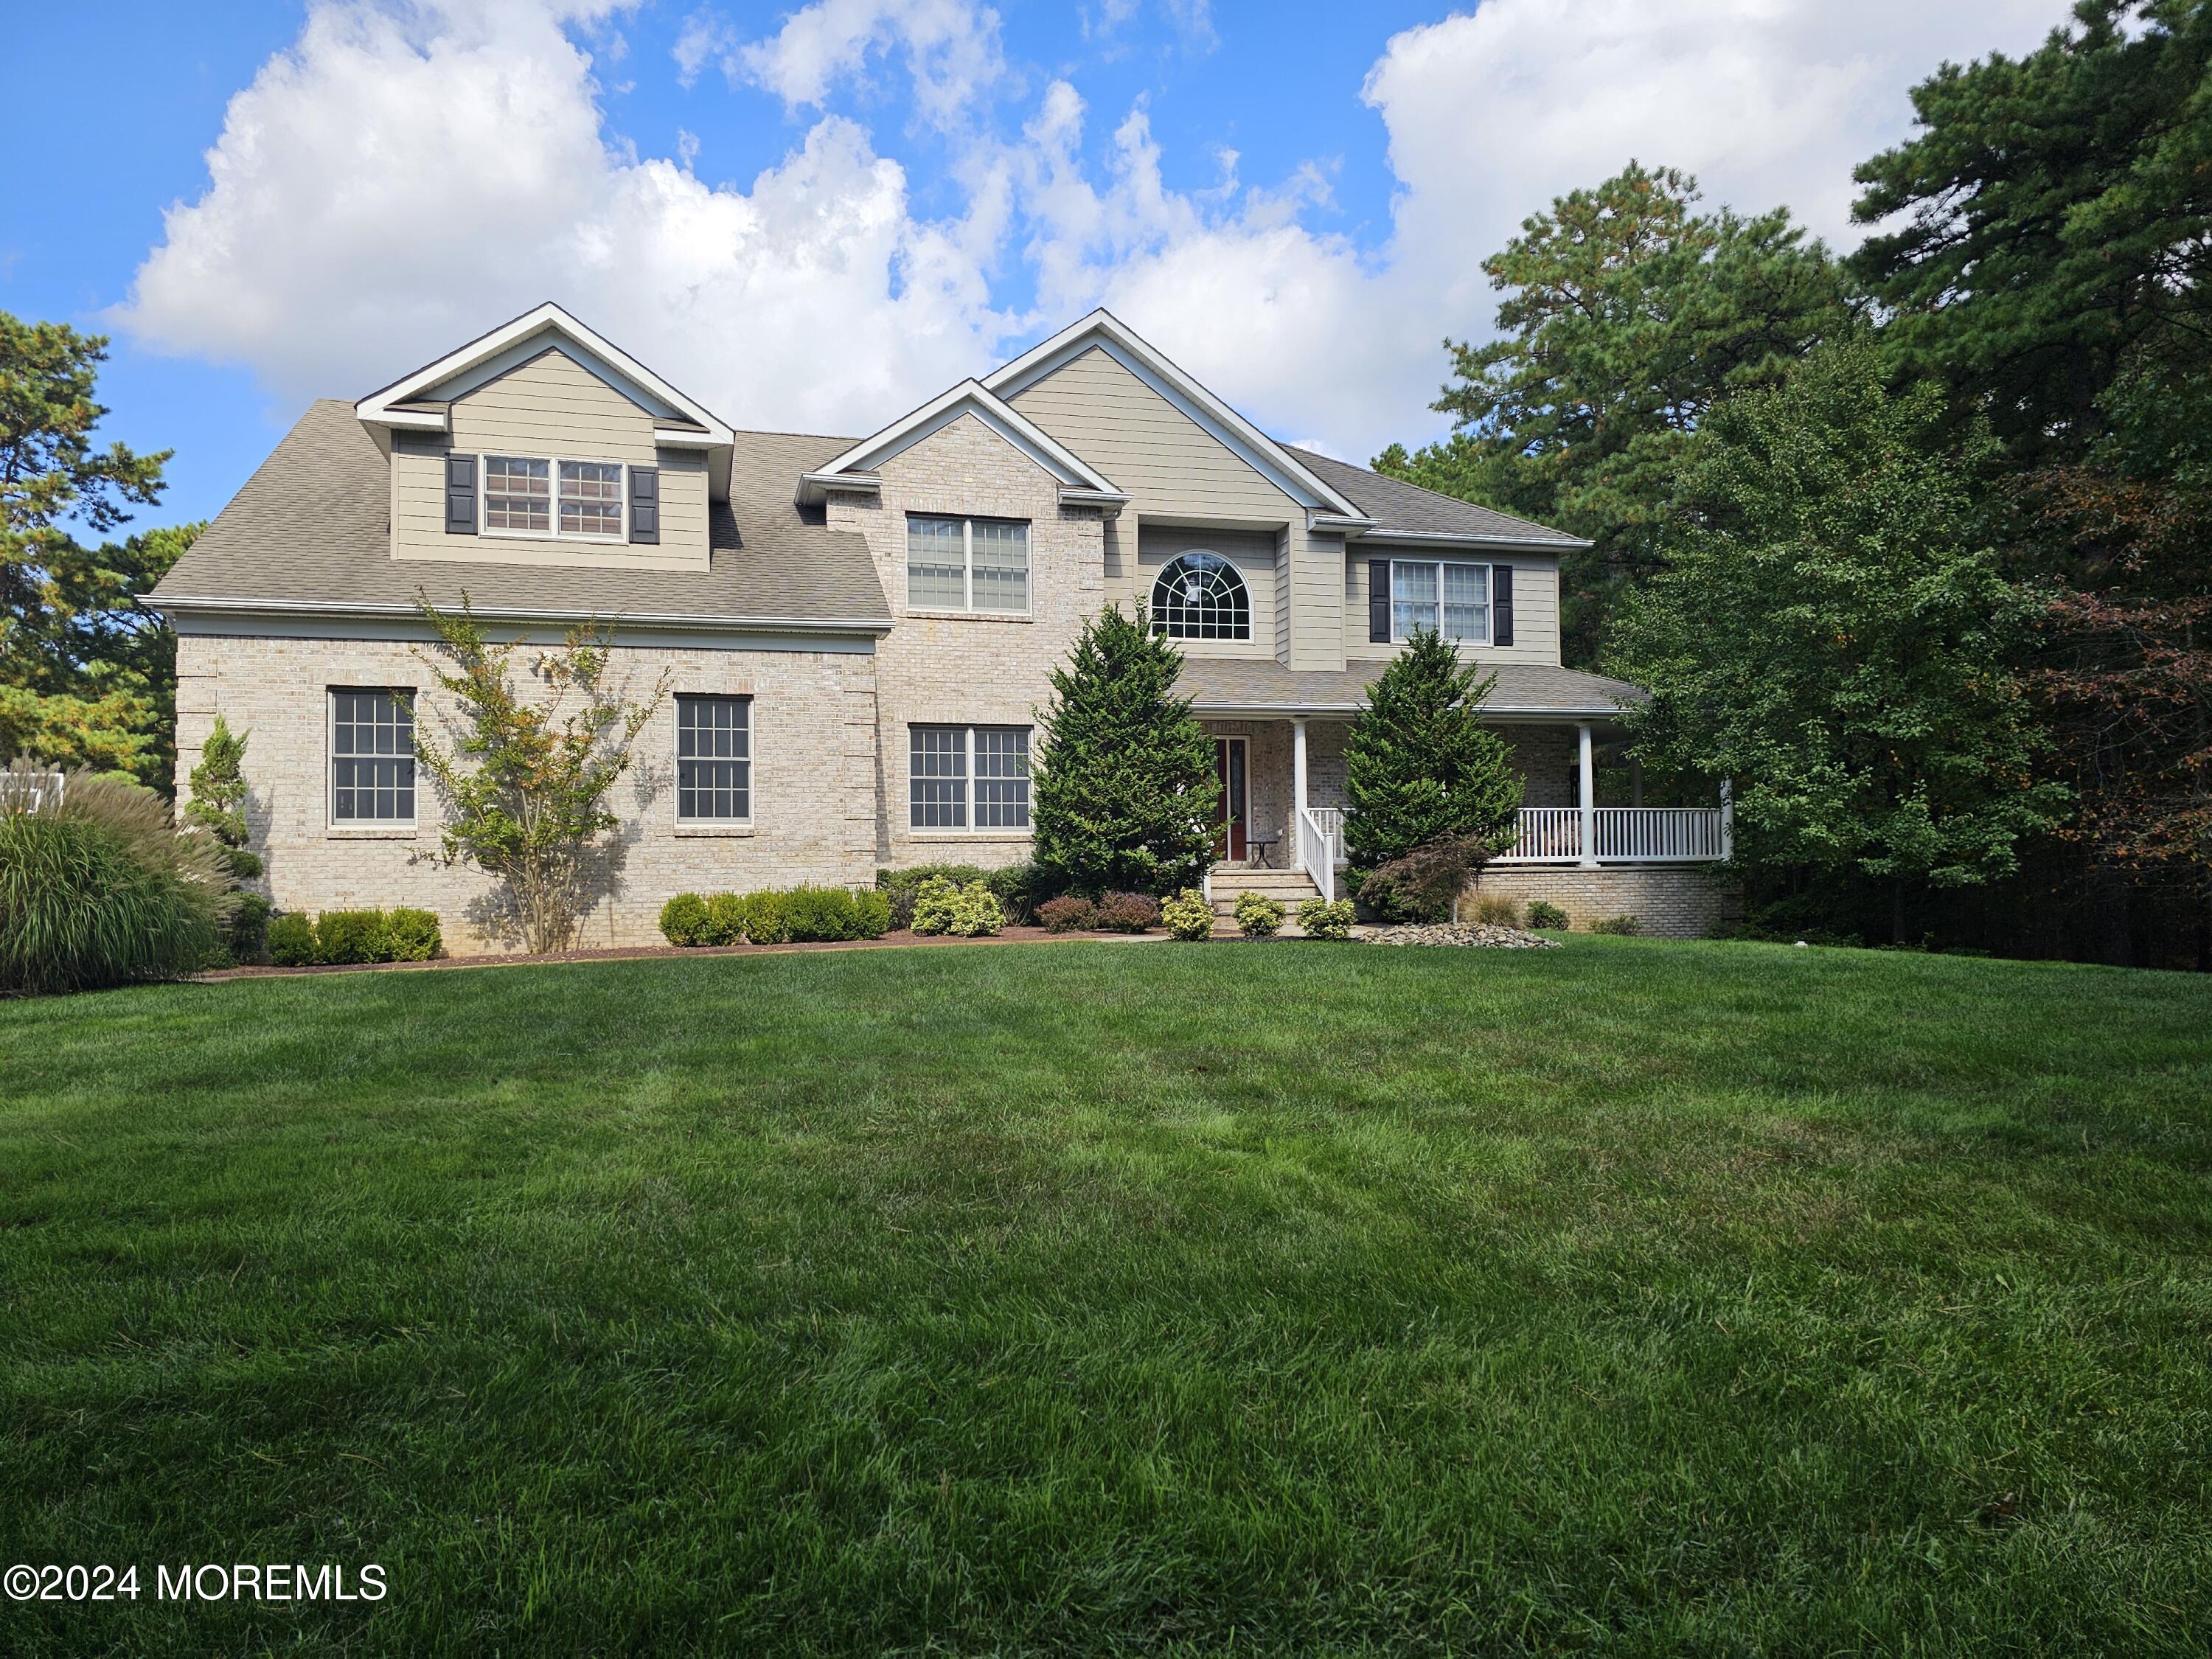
(1489, 602)
(967, 572)
(621, 538)
(970, 829)
(366, 828)
(743, 826)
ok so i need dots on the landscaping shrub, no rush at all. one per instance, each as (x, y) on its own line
(1320, 919)
(815, 913)
(1546, 917)
(1621, 925)
(246, 939)
(80, 909)
(726, 916)
(1189, 915)
(759, 918)
(292, 940)
(1496, 910)
(1127, 913)
(351, 936)
(902, 885)
(683, 921)
(875, 909)
(968, 912)
(412, 935)
(1258, 916)
(1070, 915)
(1020, 889)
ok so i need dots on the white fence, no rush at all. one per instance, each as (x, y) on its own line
(1621, 834)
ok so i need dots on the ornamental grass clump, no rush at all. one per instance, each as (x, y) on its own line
(1258, 916)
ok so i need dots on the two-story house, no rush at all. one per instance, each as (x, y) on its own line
(858, 632)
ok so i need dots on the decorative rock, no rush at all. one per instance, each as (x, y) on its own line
(1480, 935)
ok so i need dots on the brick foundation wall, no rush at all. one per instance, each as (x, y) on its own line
(1671, 901)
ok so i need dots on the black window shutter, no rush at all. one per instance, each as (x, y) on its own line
(1378, 601)
(645, 504)
(1501, 605)
(460, 495)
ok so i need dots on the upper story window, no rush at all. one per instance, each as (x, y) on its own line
(713, 760)
(1201, 596)
(525, 496)
(1451, 599)
(372, 756)
(967, 564)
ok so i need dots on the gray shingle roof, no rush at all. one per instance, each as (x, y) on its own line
(1227, 683)
(312, 526)
(1397, 505)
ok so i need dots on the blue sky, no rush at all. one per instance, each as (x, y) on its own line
(813, 218)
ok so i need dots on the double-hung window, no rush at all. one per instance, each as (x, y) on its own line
(1451, 599)
(372, 757)
(964, 777)
(967, 564)
(523, 495)
(713, 760)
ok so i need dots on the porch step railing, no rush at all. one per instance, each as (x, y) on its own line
(1318, 848)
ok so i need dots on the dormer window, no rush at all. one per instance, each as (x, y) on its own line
(524, 495)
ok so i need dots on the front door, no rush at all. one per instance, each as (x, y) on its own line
(1230, 818)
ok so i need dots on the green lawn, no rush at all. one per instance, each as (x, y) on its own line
(1627, 1297)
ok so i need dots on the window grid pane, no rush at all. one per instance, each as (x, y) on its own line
(518, 494)
(1001, 570)
(936, 566)
(938, 776)
(1466, 603)
(1200, 595)
(1002, 777)
(590, 499)
(1413, 599)
(713, 758)
(372, 757)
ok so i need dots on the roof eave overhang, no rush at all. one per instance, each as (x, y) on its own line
(1383, 534)
(1069, 470)
(1241, 710)
(814, 487)
(336, 610)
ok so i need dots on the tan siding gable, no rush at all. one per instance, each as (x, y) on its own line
(1170, 465)
(553, 405)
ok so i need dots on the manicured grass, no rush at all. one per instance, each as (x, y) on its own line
(1629, 1297)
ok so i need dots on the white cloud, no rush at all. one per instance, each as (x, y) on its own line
(402, 179)
(952, 49)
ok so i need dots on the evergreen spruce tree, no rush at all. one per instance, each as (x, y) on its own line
(1125, 791)
(218, 802)
(1419, 770)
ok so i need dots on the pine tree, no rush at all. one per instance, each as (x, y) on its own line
(218, 802)
(1418, 766)
(1125, 789)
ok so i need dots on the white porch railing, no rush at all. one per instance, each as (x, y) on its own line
(1622, 835)
(1318, 851)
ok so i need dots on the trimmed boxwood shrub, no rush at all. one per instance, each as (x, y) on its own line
(726, 916)
(1545, 917)
(1625, 925)
(683, 921)
(1189, 915)
(412, 935)
(1069, 915)
(1320, 919)
(292, 940)
(1258, 916)
(351, 936)
(1127, 913)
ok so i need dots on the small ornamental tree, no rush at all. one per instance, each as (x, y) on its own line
(1421, 773)
(526, 784)
(218, 802)
(1125, 790)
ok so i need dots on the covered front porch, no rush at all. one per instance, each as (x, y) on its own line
(1281, 766)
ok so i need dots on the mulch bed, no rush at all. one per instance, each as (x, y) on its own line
(646, 952)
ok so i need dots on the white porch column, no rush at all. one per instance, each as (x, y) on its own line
(1298, 775)
(1588, 802)
(1727, 818)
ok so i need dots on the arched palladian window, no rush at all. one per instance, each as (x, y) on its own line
(1199, 596)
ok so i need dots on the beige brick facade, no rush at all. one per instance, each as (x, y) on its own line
(1671, 901)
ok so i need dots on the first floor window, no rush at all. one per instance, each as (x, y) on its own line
(967, 564)
(963, 775)
(372, 756)
(1451, 599)
(714, 759)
